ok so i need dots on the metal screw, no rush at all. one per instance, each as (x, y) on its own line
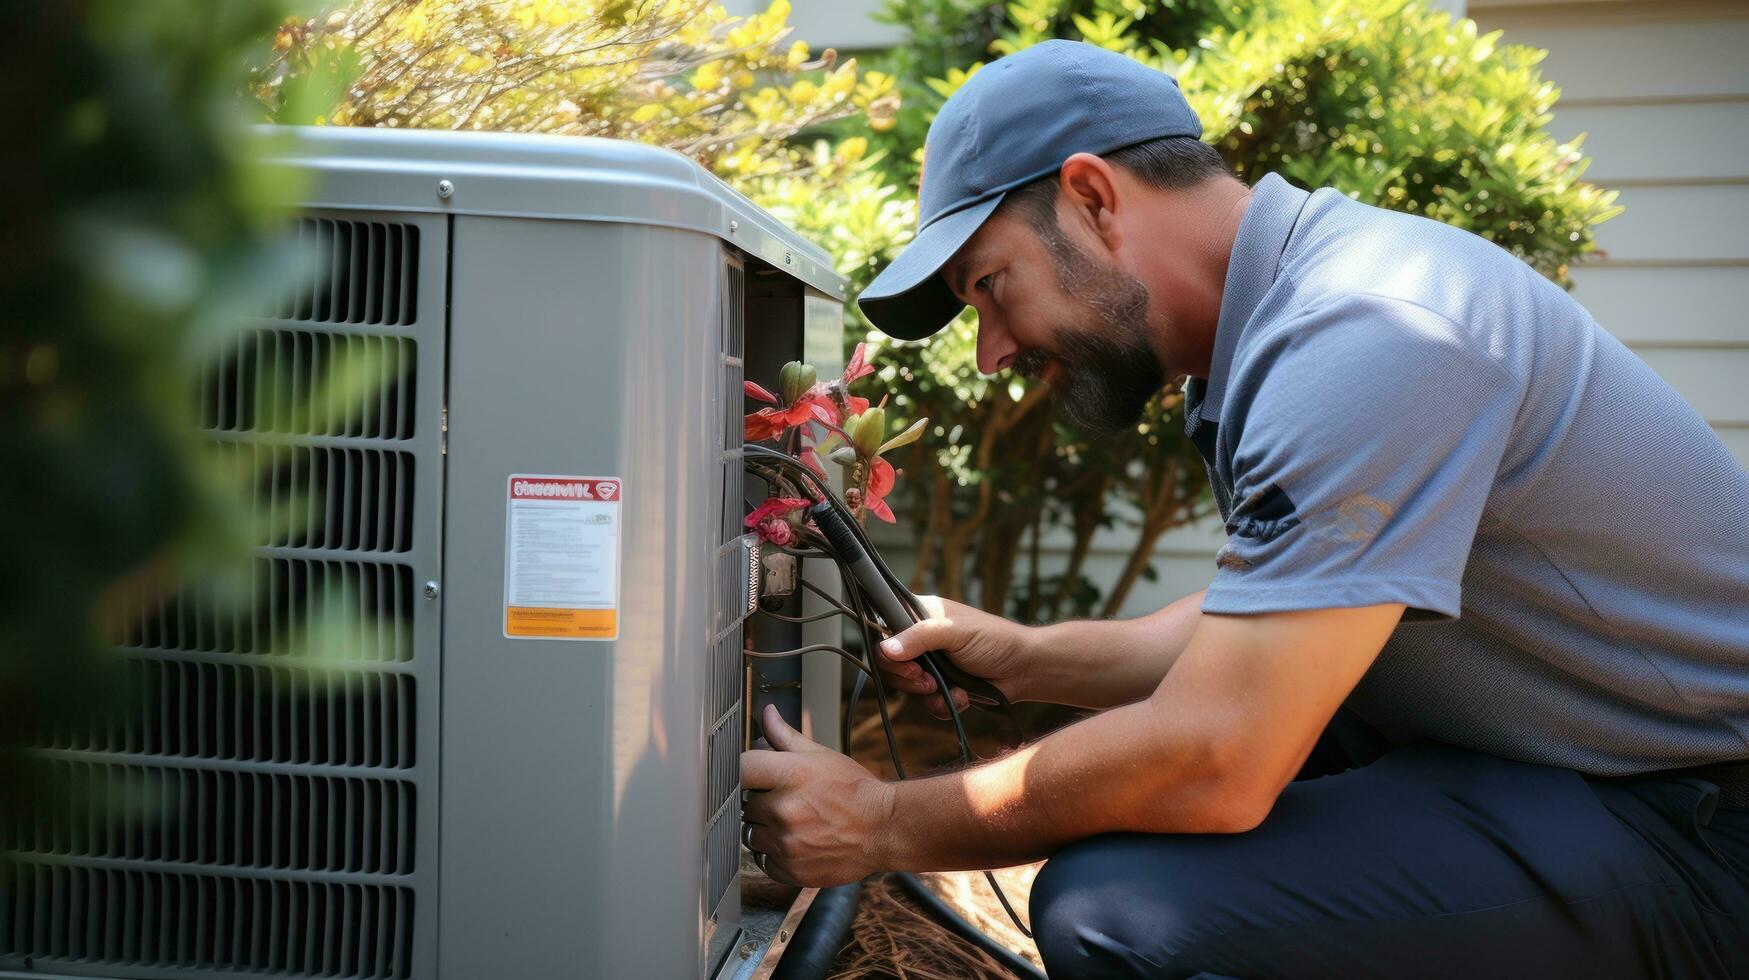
(445, 189)
(783, 935)
(786, 258)
(734, 226)
(431, 590)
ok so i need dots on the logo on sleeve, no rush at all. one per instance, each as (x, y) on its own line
(1264, 516)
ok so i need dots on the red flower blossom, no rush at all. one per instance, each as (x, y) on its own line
(777, 531)
(859, 367)
(881, 478)
(753, 391)
(769, 423)
(775, 508)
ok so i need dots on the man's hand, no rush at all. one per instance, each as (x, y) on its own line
(975, 641)
(817, 816)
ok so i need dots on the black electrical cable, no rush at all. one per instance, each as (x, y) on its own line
(849, 657)
(850, 711)
(880, 689)
(829, 597)
(780, 617)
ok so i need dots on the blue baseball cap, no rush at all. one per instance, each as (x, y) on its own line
(1015, 121)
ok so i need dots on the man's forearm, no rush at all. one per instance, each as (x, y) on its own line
(1148, 773)
(1104, 663)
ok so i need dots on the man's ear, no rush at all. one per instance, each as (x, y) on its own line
(1090, 193)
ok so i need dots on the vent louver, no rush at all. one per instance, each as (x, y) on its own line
(276, 804)
(363, 609)
(722, 723)
(226, 817)
(320, 497)
(357, 272)
(310, 383)
(208, 922)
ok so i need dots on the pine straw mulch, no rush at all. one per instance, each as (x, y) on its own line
(892, 937)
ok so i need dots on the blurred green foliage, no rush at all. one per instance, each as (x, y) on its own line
(1385, 100)
(133, 239)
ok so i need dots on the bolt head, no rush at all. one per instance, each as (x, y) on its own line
(734, 226)
(445, 189)
(431, 590)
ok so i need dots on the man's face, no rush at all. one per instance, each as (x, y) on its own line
(1050, 310)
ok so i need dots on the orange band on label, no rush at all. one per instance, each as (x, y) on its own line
(591, 623)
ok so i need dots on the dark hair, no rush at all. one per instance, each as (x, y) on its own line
(1167, 162)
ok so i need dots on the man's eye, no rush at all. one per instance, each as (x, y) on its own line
(983, 285)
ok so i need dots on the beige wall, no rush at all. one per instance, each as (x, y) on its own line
(1661, 87)
(1662, 91)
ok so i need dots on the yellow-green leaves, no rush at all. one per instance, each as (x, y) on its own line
(912, 433)
(727, 91)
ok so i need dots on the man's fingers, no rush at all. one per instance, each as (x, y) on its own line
(778, 871)
(761, 839)
(913, 684)
(766, 769)
(757, 808)
(908, 644)
(938, 707)
(784, 738)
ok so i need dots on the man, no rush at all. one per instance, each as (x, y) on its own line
(1458, 511)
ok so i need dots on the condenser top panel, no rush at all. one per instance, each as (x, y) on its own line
(533, 176)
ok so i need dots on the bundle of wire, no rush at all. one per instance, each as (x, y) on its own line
(783, 470)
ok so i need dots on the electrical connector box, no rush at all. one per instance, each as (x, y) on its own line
(779, 580)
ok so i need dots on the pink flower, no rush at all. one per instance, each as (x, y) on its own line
(769, 423)
(777, 531)
(774, 509)
(859, 367)
(881, 478)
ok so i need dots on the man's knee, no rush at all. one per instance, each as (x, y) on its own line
(1099, 910)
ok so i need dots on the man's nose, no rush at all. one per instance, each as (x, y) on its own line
(996, 346)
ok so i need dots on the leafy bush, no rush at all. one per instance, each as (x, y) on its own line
(1385, 100)
(732, 93)
(133, 230)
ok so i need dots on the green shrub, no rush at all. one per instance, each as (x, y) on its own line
(134, 230)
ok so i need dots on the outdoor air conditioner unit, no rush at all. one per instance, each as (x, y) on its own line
(520, 759)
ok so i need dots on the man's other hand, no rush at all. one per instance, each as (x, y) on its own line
(975, 641)
(819, 818)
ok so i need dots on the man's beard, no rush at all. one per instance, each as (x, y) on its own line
(1109, 371)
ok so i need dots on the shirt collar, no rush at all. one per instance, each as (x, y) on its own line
(1269, 220)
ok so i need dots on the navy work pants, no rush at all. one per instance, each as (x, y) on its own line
(1429, 862)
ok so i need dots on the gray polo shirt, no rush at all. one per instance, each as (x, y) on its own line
(1400, 411)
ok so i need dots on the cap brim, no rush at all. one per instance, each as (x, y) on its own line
(909, 300)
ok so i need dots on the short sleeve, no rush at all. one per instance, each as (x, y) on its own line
(1369, 435)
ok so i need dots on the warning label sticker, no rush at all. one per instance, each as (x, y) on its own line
(561, 561)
